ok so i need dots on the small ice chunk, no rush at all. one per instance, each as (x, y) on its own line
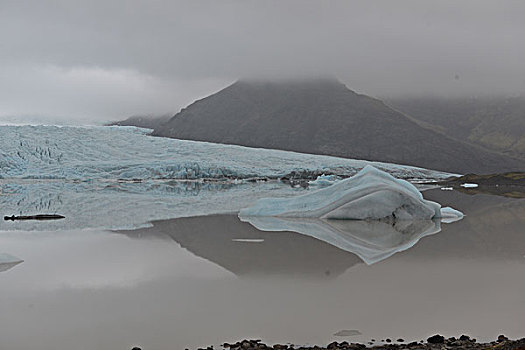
(447, 189)
(469, 185)
(323, 180)
(370, 194)
(449, 215)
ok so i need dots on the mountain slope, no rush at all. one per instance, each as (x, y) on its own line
(494, 123)
(324, 117)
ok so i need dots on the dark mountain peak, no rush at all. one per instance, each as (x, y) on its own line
(322, 116)
(319, 85)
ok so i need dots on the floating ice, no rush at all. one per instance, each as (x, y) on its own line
(468, 185)
(449, 215)
(323, 180)
(371, 194)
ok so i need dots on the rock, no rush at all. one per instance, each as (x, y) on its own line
(136, 348)
(436, 339)
(280, 347)
(502, 338)
(464, 338)
(388, 340)
(400, 340)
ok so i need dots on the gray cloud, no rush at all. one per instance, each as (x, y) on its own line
(101, 59)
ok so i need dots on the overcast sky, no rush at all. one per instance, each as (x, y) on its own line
(94, 60)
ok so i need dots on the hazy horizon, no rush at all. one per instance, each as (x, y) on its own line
(88, 62)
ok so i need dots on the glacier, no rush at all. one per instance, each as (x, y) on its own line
(87, 153)
(119, 177)
(370, 194)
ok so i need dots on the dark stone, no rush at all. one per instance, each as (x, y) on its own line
(332, 345)
(464, 338)
(400, 340)
(436, 339)
(280, 347)
(388, 340)
(136, 348)
(502, 338)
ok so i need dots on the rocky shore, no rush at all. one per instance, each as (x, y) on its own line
(433, 343)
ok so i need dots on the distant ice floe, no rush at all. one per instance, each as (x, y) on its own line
(469, 185)
(371, 194)
(323, 180)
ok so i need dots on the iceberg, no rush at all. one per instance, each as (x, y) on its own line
(372, 194)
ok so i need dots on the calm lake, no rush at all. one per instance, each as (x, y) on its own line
(199, 281)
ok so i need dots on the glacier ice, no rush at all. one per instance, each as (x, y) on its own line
(80, 172)
(371, 214)
(88, 153)
(371, 194)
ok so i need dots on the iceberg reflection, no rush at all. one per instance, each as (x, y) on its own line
(371, 240)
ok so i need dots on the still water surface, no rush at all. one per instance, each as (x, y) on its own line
(205, 280)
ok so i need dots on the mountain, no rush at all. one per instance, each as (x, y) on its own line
(322, 116)
(494, 123)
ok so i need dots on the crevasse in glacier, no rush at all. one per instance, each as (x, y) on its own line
(90, 153)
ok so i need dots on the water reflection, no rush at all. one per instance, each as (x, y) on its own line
(244, 250)
(152, 293)
(372, 241)
(8, 261)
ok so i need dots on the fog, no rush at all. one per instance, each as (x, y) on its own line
(97, 60)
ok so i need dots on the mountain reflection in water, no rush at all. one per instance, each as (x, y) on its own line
(300, 247)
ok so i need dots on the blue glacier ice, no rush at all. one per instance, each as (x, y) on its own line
(371, 194)
(119, 177)
(87, 153)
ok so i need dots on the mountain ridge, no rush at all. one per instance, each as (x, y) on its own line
(323, 116)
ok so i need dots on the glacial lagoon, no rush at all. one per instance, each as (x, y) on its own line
(197, 281)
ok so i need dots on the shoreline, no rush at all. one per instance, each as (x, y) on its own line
(432, 343)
